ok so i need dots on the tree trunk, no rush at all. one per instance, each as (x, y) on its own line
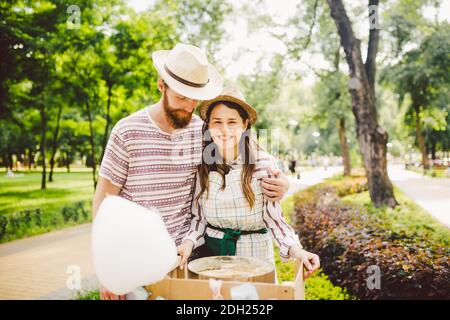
(433, 149)
(372, 138)
(92, 142)
(420, 137)
(108, 121)
(67, 161)
(344, 146)
(42, 147)
(55, 143)
(30, 158)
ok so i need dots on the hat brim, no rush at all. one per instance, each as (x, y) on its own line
(252, 114)
(212, 89)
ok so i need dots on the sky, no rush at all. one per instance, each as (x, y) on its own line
(242, 50)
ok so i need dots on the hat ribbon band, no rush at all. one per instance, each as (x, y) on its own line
(184, 81)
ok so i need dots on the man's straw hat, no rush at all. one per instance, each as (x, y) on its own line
(187, 71)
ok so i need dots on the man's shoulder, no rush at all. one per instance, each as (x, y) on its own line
(133, 120)
(196, 122)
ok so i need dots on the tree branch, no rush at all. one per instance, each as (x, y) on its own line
(348, 39)
(311, 27)
(372, 49)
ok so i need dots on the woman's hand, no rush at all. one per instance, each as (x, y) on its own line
(185, 250)
(310, 260)
(106, 295)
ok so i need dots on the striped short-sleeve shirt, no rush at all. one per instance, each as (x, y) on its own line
(154, 168)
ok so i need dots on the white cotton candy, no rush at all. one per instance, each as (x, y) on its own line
(244, 291)
(131, 246)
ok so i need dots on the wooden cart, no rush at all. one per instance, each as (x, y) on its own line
(185, 285)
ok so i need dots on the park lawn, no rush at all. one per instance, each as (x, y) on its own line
(24, 192)
(407, 218)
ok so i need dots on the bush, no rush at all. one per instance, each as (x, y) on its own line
(349, 239)
(29, 222)
(319, 287)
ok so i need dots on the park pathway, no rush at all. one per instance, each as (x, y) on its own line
(432, 194)
(40, 267)
(36, 267)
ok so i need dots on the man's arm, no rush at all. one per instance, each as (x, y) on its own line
(104, 188)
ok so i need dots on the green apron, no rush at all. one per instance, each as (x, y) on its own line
(227, 245)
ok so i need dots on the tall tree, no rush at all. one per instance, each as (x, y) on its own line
(424, 75)
(372, 137)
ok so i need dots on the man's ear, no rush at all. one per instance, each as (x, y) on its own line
(161, 85)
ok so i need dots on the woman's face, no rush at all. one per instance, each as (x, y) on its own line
(226, 127)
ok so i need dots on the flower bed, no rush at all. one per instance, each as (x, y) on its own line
(409, 248)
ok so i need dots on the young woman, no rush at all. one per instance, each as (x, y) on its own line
(230, 213)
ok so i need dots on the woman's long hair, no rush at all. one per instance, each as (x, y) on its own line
(247, 148)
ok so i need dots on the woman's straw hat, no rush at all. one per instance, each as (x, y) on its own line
(232, 94)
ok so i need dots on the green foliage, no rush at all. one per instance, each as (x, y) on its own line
(406, 243)
(422, 79)
(200, 22)
(31, 222)
(87, 295)
(317, 286)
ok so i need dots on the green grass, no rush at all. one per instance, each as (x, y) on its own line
(407, 218)
(23, 192)
(20, 193)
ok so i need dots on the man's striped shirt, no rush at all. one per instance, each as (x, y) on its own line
(154, 168)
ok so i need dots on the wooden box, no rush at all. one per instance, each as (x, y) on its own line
(184, 285)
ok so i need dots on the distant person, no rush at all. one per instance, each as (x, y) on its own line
(292, 165)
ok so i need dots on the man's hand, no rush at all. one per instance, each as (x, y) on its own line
(106, 295)
(275, 186)
(185, 250)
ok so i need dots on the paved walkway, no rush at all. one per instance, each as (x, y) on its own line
(433, 194)
(36, 267)
(311, 177)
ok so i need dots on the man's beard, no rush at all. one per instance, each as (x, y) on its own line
(177, 118)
